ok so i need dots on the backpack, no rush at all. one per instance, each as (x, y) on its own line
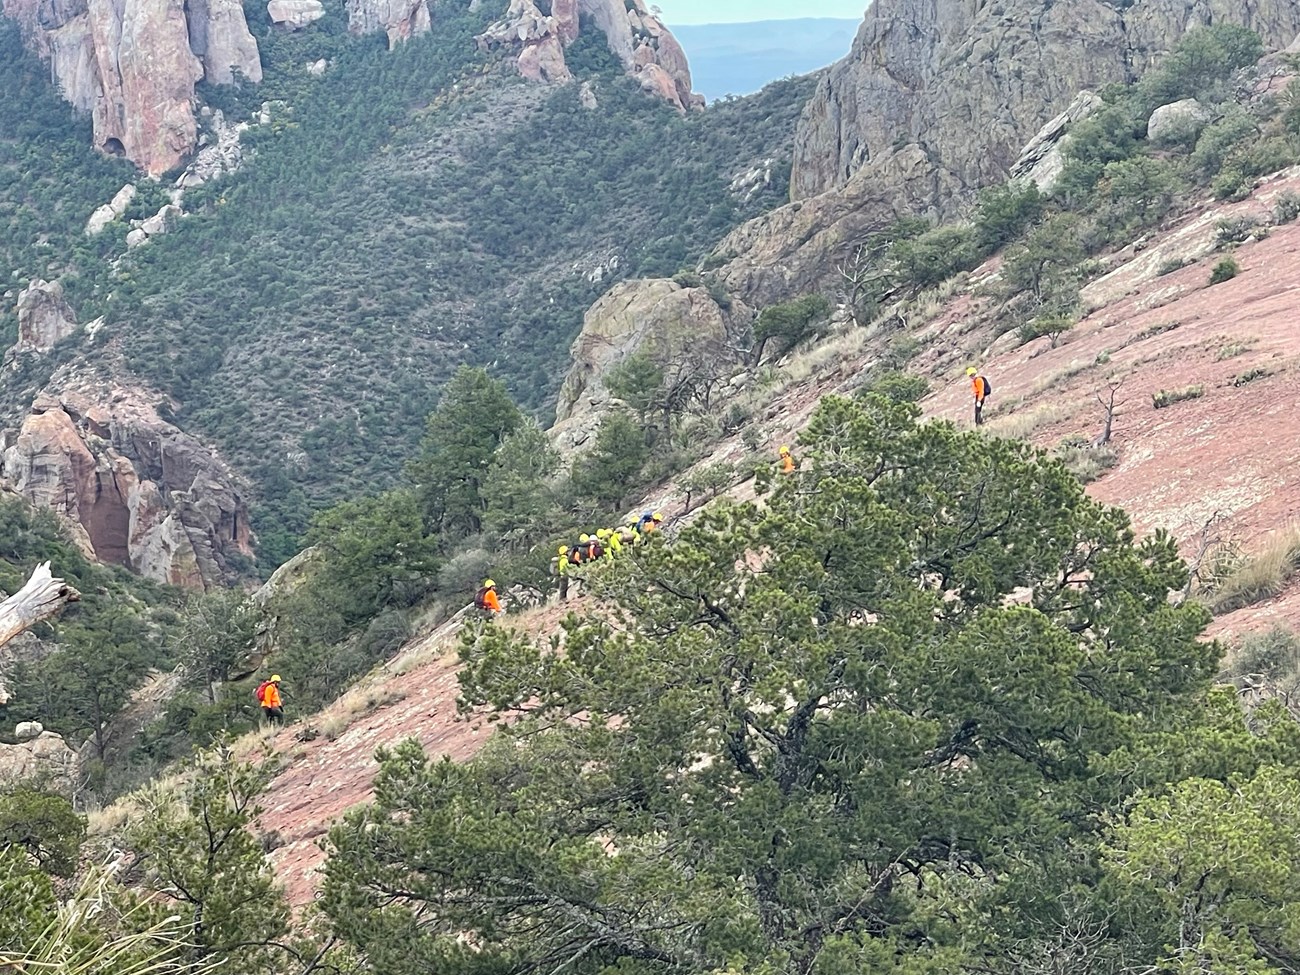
(988, 387)
(260, 693)
(480, 598)
(575, 555)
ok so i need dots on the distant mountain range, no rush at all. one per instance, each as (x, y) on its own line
(737, 59)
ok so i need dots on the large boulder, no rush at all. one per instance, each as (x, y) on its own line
(44, 317)
(133, 65)
(133, 489)
(1185, 117)
(46, 759)
(673, 325)
(295, 14)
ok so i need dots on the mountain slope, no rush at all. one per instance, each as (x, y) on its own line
(405, 212)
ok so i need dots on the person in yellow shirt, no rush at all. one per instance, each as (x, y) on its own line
(788, 466)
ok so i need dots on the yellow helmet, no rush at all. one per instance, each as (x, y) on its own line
(489, 584)
(784, 449)
(275, 678)
(602, 533)
(564, 550)
(584, 537)
(658, 516)
(971, 371)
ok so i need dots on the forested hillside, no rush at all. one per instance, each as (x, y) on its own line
(404, 212)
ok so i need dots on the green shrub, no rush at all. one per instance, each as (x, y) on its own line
(1234, 230)
(1221, 138)
(1274, 654)
(1171, 265)
(1225, 270)
(1050, 326)
(1287, 207)
(934, 256)
(1249, 376)
(1167, 397)
(1002, 214)
(900, 387)
(1204, 59)
(1087, 461)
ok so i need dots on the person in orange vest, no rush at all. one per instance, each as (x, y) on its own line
(981, 388)
(650, 522)
(268, 696)
(788, 466)
(486, 598)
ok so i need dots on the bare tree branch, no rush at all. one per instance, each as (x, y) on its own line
(41, 598)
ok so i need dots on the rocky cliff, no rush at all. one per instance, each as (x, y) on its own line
(633, 32)
(971, 82)
(134, 489)
(133, 64)
(937, 100)
(668, 323)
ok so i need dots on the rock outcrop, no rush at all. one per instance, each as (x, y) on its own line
(46, 759)
(1185, 116)
(134, 489)
(110, 211)
(973, 81)
(658, 318)
(295, 14)
(633, 32)
(1042, 160)
(937, 100)
(399, 19)
(133, 64)
(44, 317)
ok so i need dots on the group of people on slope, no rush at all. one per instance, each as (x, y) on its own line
(602, 544)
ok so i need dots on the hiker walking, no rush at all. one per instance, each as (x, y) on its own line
(981, 388)
(649, 522)
(562, 571)
(486, 598)
(268, 696)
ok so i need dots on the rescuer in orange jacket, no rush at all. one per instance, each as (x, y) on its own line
(788, 465)
(981, 388)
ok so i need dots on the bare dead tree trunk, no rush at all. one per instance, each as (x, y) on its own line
(41, 598)
(1109, 405)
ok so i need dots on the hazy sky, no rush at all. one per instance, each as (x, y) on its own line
(740, 11)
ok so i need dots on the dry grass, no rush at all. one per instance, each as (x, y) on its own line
(1017, 424)
(1259, 576)
(1230, 350)
(1168, 397)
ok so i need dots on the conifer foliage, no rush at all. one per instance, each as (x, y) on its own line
(863, 721)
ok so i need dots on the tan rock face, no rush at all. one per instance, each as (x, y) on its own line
(295, 14)
(220, 38)
(936, 100)
(974, 81)
(44, 317)
(134, 489)
(46, 759)
(658, 318)
(133, 65)
(647, 49)
(399, 19)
